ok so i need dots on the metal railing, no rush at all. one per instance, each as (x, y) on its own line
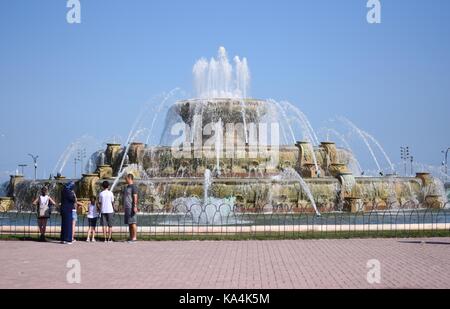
(224, 221)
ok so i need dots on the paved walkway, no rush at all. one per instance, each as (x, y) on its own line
(405, 263)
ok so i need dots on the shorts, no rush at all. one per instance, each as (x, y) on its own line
(44, 213)
(74, 215)
(92, 222)
(107, 219)
(130, 216)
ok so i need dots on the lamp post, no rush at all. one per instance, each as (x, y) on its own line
(445, 162)
(405, 156)
(35, 164)
(22, 166)
(80, 157)
(75, 160)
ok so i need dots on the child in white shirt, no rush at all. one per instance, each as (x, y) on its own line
(92, 219)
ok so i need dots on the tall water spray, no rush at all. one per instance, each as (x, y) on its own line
(217, 79)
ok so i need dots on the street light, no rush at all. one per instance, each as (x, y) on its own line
(80, 156)
(445, 163)
(22, 166)
(405, 156)
(75, 160)
(35, 164)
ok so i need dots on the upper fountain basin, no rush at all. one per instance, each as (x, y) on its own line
(228, 110)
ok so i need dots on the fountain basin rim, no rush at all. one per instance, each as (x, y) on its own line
(90, 175)
(378, 179)
(200, 180)
(219, 99)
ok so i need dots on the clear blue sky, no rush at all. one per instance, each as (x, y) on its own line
(60, 81)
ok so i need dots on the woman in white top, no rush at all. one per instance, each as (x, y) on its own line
(43, 203)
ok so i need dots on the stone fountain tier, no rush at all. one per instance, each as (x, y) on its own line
(228, 110)
(6, 204)
(266, 194)
(251, 194)
(245, 161)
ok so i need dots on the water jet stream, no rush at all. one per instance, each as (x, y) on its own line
(363, 137)
(381, 149)
(291, 174)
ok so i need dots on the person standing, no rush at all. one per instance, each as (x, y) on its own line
(92, 219)
(130, 202)
(43, 203)
(106, 201)
(75, 220)
(68, 203)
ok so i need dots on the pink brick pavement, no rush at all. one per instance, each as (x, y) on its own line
(405, 263)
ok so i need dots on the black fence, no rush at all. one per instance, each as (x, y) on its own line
(225, 221)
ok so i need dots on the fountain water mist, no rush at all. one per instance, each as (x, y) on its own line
(218, 146)
(345, 144)
(158, 110)
(210, 210)
(131, 137)
(102, 158)
(273, 110)
(244, 121)
(305, 128)
(289, 174)
(70, 151)
(436, 171)
(206, 184)
(304, 122)
(283, 113)
(363, 137)
(65, 156)
(136, 128)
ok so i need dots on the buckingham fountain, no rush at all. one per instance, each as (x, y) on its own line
(223, 153)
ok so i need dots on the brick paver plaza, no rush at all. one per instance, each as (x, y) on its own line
(405, 263)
